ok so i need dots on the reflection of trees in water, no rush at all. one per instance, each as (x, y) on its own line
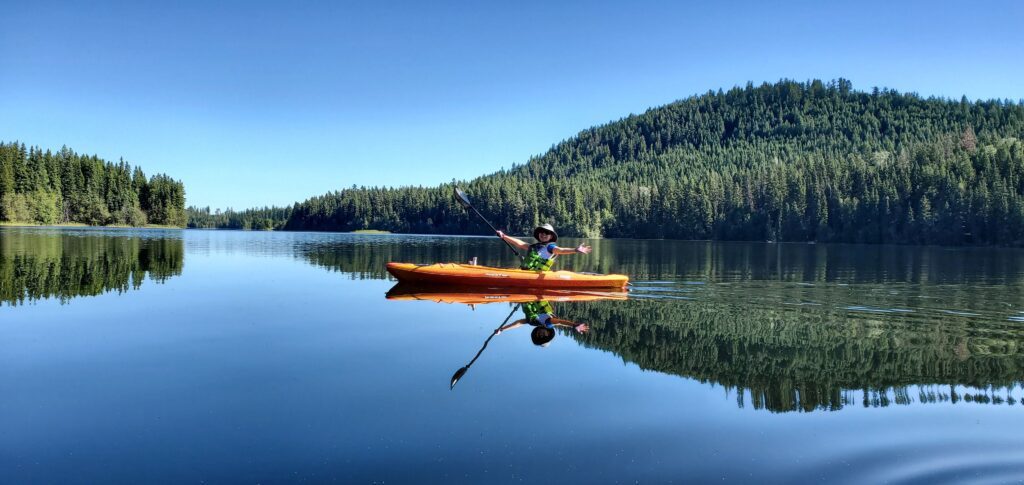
(35, 266)
(798, 359)
(746, 335)
(656, 259)
(366, 257)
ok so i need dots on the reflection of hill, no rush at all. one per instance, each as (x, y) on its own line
(800, 359)
(789, 326)
(36, 265)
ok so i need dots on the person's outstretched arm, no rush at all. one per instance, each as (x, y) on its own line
(582, 249)
(579, 327)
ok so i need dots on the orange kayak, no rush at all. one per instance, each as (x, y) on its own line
(480, 295)
(473, 275)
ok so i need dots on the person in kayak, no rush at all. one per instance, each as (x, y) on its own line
(540, 256)
(541, 316)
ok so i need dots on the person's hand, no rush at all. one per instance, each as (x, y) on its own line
(583, 248)
(500, 234)
(582, 328)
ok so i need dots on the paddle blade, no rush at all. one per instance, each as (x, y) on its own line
(462, 197)
(458, 375)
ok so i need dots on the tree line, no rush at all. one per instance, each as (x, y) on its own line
(264, 219)
(787, 161)
(44, 187)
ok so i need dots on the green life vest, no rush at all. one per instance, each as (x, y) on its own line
(540, 257)
(534, 309)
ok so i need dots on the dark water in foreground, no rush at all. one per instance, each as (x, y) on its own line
(198, 356)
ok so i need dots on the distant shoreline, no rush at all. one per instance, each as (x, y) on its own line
(161, 226)
(358, 231)
(80, 224)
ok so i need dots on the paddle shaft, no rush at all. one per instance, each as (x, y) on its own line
(465, 201)
(495, 332)
(510, 246)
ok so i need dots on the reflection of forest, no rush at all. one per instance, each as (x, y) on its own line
(800, 358)
(38, 265)
(365, 257)
(746, 335)
(754, 334)
(664, 259)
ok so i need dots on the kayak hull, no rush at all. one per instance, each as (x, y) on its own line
(473, 275)
(479, 295)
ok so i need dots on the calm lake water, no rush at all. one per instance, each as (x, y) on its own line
(143, 356)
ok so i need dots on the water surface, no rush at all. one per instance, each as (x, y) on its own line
(189, 356)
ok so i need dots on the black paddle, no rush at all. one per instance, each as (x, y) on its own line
(464, 200)
(462, 370)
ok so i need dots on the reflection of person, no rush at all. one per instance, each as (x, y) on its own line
(540, 256)
(541, 315)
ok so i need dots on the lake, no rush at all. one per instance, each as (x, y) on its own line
(138, 356)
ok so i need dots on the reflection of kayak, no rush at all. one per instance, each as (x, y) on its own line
(472, 275)
(480, 295)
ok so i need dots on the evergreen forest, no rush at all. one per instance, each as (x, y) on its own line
(785, 161)
(40, 187)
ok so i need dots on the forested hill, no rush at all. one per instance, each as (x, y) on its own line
(51, 188)
(786, 162)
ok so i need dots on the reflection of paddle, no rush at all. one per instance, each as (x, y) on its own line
(464, 200)
(462, 371)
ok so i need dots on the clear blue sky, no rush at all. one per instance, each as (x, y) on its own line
(253, 103)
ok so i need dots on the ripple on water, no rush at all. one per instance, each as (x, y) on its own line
(918, 461)
(659, 289)
(860, 308)
(960, 313)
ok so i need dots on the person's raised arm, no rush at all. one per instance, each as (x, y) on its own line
(514, 241)
(515, 324)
